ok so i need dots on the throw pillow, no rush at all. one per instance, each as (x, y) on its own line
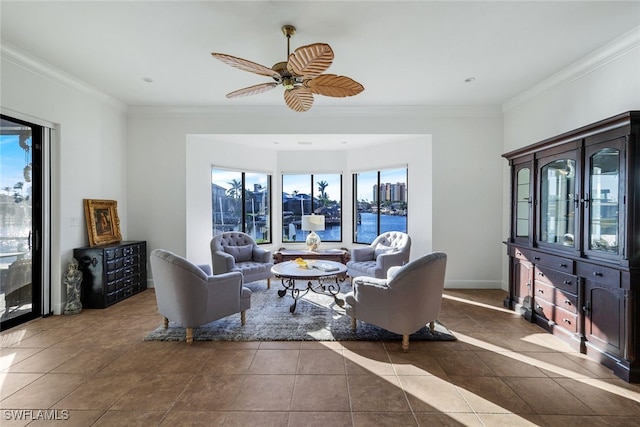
(240, 253)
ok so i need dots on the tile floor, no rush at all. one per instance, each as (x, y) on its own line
(94, 369)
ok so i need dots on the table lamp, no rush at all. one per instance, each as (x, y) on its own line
(312, 223)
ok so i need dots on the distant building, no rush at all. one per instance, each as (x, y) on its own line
(390, 192)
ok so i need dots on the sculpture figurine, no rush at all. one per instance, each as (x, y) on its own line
(73, 280)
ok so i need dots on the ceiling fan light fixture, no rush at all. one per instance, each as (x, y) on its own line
(301, 74)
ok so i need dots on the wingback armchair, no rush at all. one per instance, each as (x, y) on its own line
(188, 295)
(387, 250)
(236, 251)
(405, 301)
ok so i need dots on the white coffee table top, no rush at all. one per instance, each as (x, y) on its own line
(315, 269)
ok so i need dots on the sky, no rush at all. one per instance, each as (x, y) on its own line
(302, 182)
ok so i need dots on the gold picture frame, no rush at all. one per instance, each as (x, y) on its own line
(103, 224)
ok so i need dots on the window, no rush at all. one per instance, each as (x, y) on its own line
(380, 203)
(304, 194)
(241, 201)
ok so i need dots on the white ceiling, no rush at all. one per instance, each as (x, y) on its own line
(416, 53)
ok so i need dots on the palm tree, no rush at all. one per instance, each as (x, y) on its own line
(235, 193)
(322, 185)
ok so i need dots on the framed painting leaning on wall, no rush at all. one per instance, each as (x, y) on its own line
(103, 224)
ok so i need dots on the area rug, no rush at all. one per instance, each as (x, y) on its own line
(316, 318)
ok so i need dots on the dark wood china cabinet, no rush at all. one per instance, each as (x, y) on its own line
(574, 243)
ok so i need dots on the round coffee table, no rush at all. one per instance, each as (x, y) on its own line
(322, 272)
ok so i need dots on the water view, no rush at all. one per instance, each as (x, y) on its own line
(367, 230)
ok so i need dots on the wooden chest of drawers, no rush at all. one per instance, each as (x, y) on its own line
(111, 273)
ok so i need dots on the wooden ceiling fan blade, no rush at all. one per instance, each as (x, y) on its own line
(252, 90)
(311, 60)
(246, 65)
(299, 98)
(334, 85)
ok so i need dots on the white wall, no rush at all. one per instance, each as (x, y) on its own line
(604, 84)
(89, 150)
(466, 170)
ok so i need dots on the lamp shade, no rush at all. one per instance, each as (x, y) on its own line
(312, 222)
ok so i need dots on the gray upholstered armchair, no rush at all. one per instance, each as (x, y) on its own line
(404, 302)
(188, 295)
(236, 251)
(387, 250)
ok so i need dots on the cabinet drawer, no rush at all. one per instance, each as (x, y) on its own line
(560, 317)
(126, 272)
(557, 263)
(599, 274)
(558, 297)
(110, 267)
(112, 298)
(111, 275)
(566, 282)
(520, 253)
(111, 287)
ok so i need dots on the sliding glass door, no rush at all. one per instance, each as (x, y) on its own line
(20, 221)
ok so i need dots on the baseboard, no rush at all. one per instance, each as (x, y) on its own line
(473, 284)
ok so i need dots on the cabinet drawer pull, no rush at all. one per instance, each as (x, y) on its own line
(565, 320)
(563, 265)
(519, 253)
(540, 291)
(537, 258)
(567, 282)
(567, 302)
(540, 273)
(597, 274)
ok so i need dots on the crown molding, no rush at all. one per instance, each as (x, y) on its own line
(613, 50)
(47, 71)
(340, 112)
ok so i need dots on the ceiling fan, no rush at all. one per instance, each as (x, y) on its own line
(301, 75)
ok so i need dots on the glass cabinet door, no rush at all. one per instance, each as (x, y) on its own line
(558, 203)
(602, 199)
(522, 197)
